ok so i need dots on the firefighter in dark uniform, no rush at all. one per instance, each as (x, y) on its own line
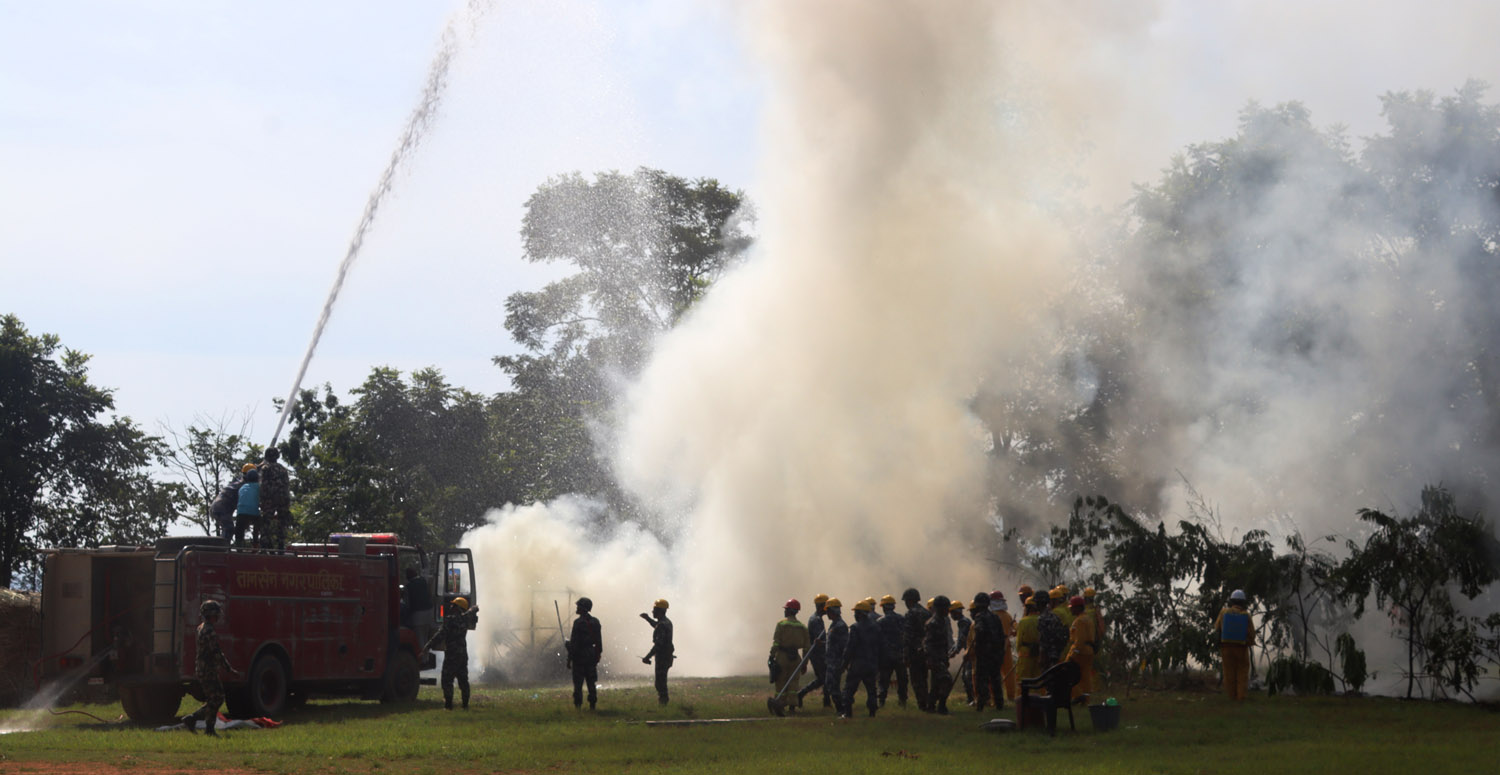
(893, 658)
(960, 643)
(916, 656)
(661, 646)
(818, 660)
(937, 640)
(585, 648)
(838, 642)
(206, 669)
(988, 646)
(454, 632)
(275, 500)
(862, 657)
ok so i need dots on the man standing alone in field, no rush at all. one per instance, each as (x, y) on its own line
(585, 648)
(661, 646)
(458, 619)
(1235, 638)
(206, 669)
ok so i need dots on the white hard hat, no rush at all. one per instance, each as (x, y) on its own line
(1238, 594)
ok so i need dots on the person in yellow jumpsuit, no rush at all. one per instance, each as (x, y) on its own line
(789, 644)
(1029, 641)
(1089, 593)
(1001, 611)
(1236, 636)
(1060, 605)
(1081, 646)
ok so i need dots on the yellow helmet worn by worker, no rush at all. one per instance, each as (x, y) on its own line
(867, 605)
(1065, 591)
(246, 468)
(832, 602)
(1089, 593)
(1056, 593)
(929, 603)
(661, 603)
(887, 600)
(956, 605)
(869, 600)
(820, 599)
(461, 603)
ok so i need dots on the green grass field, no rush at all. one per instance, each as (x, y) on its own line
(537, 730)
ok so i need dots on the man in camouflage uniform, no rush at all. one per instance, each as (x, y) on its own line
(838, 643)
(275, 500)
(585, 648)
(453, 633)
(206, 669)
(937, 640)
(988, 646)
(661, 646)
(916, 655)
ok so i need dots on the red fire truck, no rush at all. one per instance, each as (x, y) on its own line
(316, 620)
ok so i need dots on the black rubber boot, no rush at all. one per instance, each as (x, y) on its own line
(190, 723)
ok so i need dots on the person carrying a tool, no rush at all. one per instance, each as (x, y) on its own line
(206, 669)
(585, 648)
(661, 646)
(862, 657)
(789, 649)
(819, 661)
(458, 619)
(960, 645)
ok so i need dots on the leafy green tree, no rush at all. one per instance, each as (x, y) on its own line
(646, 246)
(207, 456)
(416, 457)
(69, 476)
(1411, 565)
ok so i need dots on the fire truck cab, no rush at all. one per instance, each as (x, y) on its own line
(321, 619)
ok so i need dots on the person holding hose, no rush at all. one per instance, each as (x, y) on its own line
(1236, 636)
(453, 633)
(789, 645)
(816, 630)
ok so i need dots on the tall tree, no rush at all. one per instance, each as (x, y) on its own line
(646, 246)
(69, 476)
(207, 455)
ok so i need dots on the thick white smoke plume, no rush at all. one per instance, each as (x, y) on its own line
(807, 428)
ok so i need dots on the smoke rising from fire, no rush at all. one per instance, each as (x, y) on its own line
(858, 407)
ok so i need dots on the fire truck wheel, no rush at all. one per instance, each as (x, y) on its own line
(402, 679)
(268, 686)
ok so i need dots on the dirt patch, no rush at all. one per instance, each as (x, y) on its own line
(98, 768)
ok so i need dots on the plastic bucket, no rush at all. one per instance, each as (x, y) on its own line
(1105, 717)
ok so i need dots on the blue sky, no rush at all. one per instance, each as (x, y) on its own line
(179, 180)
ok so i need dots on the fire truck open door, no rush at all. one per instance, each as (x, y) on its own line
(455, 579)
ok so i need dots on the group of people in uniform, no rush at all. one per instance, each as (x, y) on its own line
(917, 647)
(257, 502)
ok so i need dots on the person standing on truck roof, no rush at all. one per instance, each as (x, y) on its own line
(661, 646)
(206, 669)
(454, 634)
(248, 512)
(275, 500)
(585, 648)
(222, 510)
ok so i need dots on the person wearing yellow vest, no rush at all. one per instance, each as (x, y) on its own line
(789, 644)
(1089, 593)
(1029, 640)
(1236, 636)
(1059, 597)
(1081, 646)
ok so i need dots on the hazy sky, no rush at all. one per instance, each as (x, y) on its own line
(179, 180)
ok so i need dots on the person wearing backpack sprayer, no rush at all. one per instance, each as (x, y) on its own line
(1236, 636)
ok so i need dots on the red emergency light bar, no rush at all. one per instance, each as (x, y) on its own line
(68, 663)
(374, 538)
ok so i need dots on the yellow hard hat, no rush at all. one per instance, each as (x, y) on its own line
(1089, 592)
(661, 602)
(1064, 589)
(820, 599)
(929, 602)
(832, 602)
(955, 606)
(1056, 593)
(247, 468)
(462, 603)
(887, 600)
(974, 606)
(867, 605)
(871, 601)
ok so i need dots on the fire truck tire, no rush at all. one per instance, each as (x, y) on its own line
(267, 686)
(402, 679)
(148, 704)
